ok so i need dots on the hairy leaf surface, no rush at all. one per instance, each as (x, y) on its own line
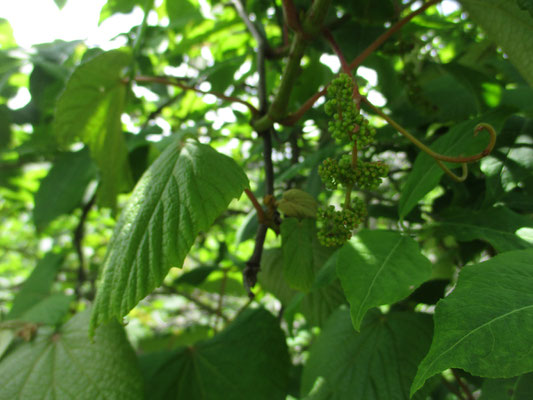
(248, 360)
(379, 267)
(485, 325)
(90, 109)
(377, 363)
(64, 365)
(181, 194)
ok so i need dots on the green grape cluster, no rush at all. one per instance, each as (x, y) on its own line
(367, 175)
(337, 225)
(349, 127)
(370, 174)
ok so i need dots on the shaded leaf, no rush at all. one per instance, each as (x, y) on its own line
(62, 190)
(518, 388)
(64, 364)
(297, 246)
(49, 311)
(379, 267)
(496, 225)
(426, 173)
(179, 195)
(38, 285)
(317, 305)
(248, 360)
(378, 363)
(509, 27)
(90, 109)
(484, 326)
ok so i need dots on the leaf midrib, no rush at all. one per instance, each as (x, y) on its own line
(474, 331)
(376, 276)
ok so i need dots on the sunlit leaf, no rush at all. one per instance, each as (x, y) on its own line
(90, 110)
(379, 267)
(181, 194)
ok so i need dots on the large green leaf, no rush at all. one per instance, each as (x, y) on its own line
(297, 246)
(377, 363)
(181, 194)
(379, 267)
(63, 188)
(518, 388)
(90, 109)
(485, 325)
(248, 360)
(426, 173)
(509, 27)
(496, 225)
(38, 285)
(64, 364)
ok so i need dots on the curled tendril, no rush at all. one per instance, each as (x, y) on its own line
(439, 158)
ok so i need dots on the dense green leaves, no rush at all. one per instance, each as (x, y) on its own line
(248, 360)
(509, 27)
(484, 326)
(90, 110)
(181, 194)
(377, 363)
(64, 364)
(426, 173)
(496, 225)
(379, 267)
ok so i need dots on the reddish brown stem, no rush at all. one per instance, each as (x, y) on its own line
(291, 16)
(294, 117)
(344, 64)
(257, 206)
(463, 385)
(172, 82)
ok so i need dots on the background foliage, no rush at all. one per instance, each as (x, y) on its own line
(133, 266)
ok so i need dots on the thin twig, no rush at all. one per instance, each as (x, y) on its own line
(387, 34)
(173, 82)
(463, 385)
(79, 233)
(452, 388)
(292, 118)
(192, 299)
(221, 297)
